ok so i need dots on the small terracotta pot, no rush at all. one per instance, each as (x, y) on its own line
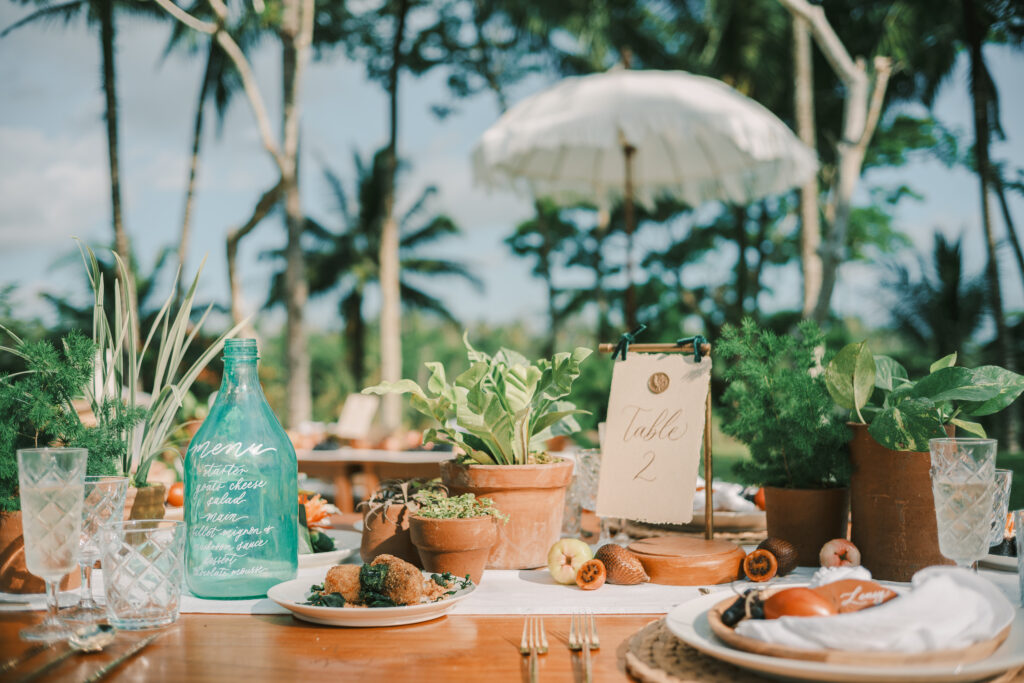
(386, 530)
(14, 575)
(148, 502)
(533, 497)
(807, 518)
(459, 546)
(893, 509)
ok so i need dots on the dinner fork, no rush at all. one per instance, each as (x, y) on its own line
(534, 642)
(582, 627)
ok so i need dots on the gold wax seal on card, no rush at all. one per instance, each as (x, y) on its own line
(657, 383)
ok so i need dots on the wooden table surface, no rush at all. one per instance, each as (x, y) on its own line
(220, 647)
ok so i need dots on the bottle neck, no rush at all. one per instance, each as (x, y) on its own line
(240, 375)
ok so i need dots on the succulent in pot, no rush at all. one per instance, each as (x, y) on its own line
(498, 415)
(386, 518)
(892, 419)
(455, 534)
(777, 404)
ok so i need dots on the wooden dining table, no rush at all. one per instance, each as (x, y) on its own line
(252, 648)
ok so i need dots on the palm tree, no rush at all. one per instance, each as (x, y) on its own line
(346, 261)
(100, 13)
(940, 308)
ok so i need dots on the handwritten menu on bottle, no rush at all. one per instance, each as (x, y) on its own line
(652, 442)
(230, 528)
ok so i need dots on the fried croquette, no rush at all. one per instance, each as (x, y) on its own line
(403, 583)
(343, 579)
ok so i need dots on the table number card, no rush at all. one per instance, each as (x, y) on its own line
(653, 437)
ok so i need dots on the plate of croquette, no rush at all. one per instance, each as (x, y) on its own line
(386, 592)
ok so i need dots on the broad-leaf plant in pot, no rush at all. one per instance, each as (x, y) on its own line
(454, 535)
(498, 414)
(892, 419)
(777, 404)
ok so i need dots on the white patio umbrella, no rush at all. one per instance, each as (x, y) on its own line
(625, 135)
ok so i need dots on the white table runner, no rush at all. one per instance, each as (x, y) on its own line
(511, 592)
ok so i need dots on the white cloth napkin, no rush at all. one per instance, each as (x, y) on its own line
(946, 608)
(725, 496)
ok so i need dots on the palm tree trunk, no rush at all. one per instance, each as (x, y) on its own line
(193, 170)
(390, 273)
(266, 202)
(981, 96)
(296, 38)
(1011, 228)
(121, 242)
(742, 267)
(810, 221)
(355, 336)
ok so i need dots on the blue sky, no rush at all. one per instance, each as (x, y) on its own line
(53, 170)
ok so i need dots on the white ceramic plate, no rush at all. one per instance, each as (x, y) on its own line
(1002, 562)
(345, 542)
(689, 623)
(292, 594)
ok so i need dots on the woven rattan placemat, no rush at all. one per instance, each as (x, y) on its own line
(654, 655)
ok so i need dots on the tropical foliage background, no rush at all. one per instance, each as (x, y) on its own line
(392, 272)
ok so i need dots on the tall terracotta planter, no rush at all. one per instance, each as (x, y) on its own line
(386, 531)
(807, 518)
(533, 497)
(893, 510)
(14, 575)
(458, 546)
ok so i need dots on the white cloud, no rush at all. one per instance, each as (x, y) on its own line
(51, 185)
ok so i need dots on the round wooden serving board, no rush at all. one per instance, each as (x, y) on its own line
(728, 635)
(685, 561)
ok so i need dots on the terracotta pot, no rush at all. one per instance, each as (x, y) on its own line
(893, 510)
(388, 532)
(533, 496)
(147, 501)
(14, 575)
(459, 546)
(807, 518)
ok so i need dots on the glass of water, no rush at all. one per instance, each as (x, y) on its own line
(1000, 505)
(50, 485)
(104, 503)
(143, 572)
(963, 485)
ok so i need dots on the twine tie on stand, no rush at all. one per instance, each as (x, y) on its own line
(625, 340)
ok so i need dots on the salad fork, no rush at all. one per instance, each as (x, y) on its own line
(534, 642)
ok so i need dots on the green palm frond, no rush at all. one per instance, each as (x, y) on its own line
(65, 11)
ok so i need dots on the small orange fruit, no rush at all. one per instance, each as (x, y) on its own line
(760, 565)
(176, 494)
(759, 498)
(591, 575)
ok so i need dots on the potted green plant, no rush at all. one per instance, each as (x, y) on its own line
(454, 534)
(498, 415)
(890, 486)
(118, 373)
(36, 409)
(386, 518)
(777, 404)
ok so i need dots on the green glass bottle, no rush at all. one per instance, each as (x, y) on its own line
(241, 489)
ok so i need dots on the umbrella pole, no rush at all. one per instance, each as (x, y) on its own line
(630, 215)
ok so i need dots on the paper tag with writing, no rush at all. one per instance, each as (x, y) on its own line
(653, 437)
